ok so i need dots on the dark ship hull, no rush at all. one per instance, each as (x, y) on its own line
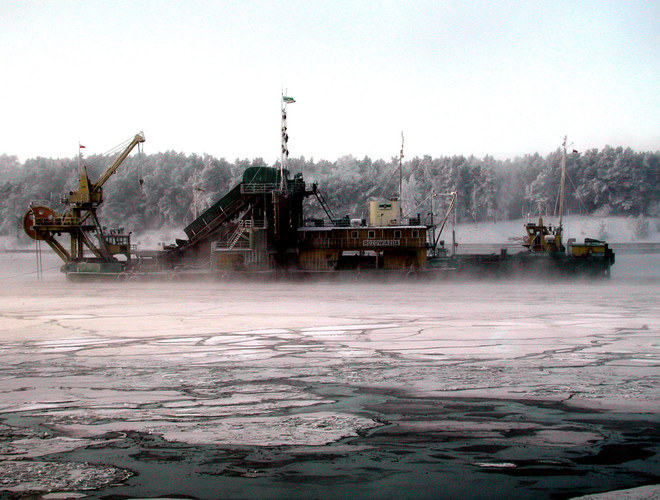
(258, 231)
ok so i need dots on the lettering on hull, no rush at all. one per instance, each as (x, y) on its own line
(381, 243)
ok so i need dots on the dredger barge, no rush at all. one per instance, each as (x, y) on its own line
(258, 229)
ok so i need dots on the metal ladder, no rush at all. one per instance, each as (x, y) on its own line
(242, 226)
(324, 205)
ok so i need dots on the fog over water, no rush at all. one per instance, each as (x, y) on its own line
(281, 389)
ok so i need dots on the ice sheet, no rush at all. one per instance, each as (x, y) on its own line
(245, 363)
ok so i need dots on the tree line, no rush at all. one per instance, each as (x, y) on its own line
(158, 190)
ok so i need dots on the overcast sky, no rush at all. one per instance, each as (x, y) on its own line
(457, 77)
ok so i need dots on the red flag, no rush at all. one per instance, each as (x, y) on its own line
(81, 146)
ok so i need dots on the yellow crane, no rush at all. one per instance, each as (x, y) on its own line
(79, 220)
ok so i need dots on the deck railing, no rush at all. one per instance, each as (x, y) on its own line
(57, 221)
(411, 221)
(258, 188)
(364, 243)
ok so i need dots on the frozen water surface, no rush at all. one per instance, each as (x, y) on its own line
(326, 384)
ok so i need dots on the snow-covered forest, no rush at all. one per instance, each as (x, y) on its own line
(157, 190)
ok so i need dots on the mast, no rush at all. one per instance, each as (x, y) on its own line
(83, 180)
(80, 148)
(454, 222)
(401, 168)
(562, 184)
(285, 139)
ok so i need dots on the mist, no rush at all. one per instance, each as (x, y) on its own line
(347, 387)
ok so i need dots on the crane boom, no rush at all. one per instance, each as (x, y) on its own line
(90, 194)
(453, 195)
(118, 161)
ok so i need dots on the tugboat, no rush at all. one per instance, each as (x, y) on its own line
(544, 243)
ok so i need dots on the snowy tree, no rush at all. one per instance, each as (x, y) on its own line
(151, 190)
